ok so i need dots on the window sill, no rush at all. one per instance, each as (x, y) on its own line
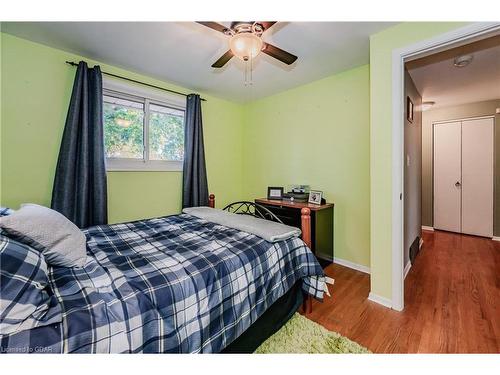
(131, 165)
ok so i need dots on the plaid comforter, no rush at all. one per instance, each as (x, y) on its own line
(175, 284)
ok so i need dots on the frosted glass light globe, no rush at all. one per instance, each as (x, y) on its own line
(245, 45)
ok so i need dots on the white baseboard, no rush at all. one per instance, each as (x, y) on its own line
(420, 244)
(354, 266)
(380, 300)
(406, 270)
(496, 238)
(425, 227)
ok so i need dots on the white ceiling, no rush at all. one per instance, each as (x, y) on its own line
(443, 83)
(182, 52)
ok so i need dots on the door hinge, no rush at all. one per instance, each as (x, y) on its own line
(400, 196)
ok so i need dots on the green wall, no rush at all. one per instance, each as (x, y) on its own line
(334, 134)
(1, 106)
(382, 45)
(36, 88)
(317, 134)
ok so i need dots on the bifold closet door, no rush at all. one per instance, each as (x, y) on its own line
(447, 176)
(477, 177)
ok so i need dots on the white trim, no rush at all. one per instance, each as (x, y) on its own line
(380, 300)
(496, 238)
(125, 90)
(462, 119)
(354, 266)
(425, 227)
(420, 244)
(155, 95)
(407, 269)
(138, 165)
(399, 56)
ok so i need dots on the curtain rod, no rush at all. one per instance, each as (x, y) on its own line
(72, 63)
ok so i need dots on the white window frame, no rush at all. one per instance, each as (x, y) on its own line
(121, 89)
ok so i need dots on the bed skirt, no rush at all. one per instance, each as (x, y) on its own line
(269, 323)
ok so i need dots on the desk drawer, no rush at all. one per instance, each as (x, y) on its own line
(288, 216)
(322, 236)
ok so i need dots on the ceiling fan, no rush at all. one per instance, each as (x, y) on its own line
(246, 42)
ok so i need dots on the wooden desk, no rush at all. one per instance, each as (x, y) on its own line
(296, 205)
(321, 224)
(316, 223)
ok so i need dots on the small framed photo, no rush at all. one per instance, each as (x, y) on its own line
(275, 192)
(409, 109)
(315, 196)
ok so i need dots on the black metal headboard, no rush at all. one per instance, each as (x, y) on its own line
(252, 209)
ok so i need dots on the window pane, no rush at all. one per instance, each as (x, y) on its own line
(123, 128)
(166, 133)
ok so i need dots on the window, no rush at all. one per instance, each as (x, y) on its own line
(142, 130)
(123, 128)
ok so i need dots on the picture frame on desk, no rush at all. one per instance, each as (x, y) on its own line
(315, 197)
(275, 193)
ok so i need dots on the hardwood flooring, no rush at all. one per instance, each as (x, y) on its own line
(452, 301)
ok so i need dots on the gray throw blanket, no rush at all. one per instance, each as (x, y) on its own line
(268, 230)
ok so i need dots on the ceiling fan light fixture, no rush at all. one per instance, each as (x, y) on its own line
(427, 105)
(245, 45)
(462, 61)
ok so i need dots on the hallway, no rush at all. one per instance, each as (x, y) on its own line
(452, 301)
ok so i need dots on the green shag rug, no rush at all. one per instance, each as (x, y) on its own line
(301, 335)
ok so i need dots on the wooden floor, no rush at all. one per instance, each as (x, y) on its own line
(452, 301)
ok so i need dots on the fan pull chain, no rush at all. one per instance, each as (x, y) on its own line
(249, 82)
(251, 69)
(246, 73)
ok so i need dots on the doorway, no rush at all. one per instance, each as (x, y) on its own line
(442, 43)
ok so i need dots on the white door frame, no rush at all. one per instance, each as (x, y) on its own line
(399, 57)
(462, 119)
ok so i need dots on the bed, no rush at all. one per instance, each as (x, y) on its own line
(175, 284)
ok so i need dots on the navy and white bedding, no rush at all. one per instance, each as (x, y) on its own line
(5, 211)
(26, 298)
(176, 284)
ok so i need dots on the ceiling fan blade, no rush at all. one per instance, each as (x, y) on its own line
(223, 60)
(267, 24)
(213, 25)
(279, 54)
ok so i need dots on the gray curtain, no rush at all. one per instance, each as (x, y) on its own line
(194, 179)
(79, 190)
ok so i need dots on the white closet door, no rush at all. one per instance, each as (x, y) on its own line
(447, 176)
(477, 177)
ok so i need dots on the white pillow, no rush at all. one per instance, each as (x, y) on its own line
(61, 242)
